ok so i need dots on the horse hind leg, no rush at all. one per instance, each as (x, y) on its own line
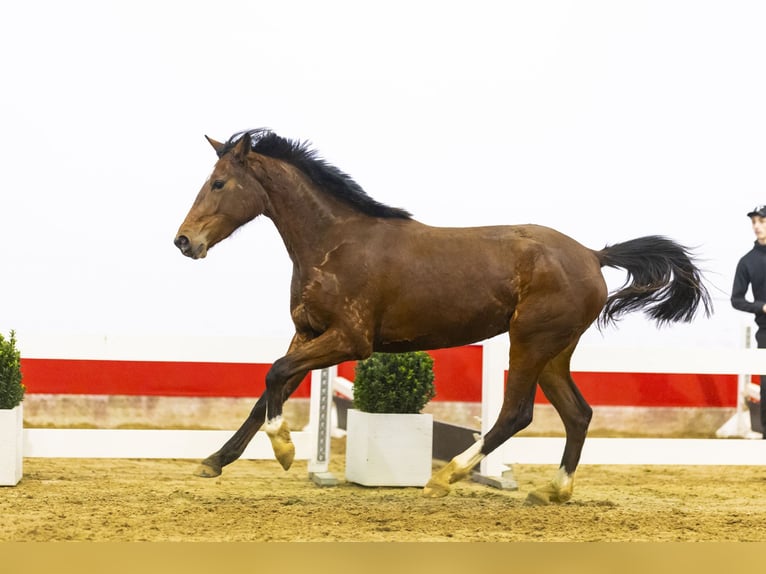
(557, 384)
(456, 469)
(532, 349)
(515, 414)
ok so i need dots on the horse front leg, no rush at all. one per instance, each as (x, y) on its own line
(213, 465)
(330, 348)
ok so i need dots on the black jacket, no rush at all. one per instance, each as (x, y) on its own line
(751, 270)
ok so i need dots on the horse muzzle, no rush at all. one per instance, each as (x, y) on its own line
(189, 248)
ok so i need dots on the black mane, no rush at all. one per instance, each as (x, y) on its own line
(326, 176)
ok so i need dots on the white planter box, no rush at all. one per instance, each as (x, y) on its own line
(388, 449)
(11, 445)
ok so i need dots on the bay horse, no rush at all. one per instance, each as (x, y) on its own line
(368, 277)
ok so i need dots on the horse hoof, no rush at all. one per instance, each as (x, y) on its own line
(285, 454)
(282, 444)
(435, 489)
(208, 470)
(548, 495)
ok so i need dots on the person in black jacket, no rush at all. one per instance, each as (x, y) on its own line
(751, 272)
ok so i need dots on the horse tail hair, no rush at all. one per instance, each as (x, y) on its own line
(662, 279)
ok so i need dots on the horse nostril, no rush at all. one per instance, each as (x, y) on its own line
(182, 242)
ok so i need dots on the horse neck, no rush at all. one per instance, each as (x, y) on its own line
(303, 215)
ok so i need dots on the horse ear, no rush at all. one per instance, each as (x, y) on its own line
(242, 148)
(217, 146)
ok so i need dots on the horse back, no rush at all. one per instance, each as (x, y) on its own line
(430, 287)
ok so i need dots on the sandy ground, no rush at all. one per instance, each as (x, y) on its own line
(161, 500)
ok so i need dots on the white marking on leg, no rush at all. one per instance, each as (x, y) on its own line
(272, 426)
(471, 456)
(563, 481)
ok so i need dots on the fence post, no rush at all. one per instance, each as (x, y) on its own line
(320, 407)
(743, 418)
(494, 361)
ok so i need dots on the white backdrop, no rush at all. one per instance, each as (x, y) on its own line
(604, 119)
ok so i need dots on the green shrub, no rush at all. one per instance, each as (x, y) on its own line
(11, 388)
(394, 382)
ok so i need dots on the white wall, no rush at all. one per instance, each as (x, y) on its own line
(607, 120)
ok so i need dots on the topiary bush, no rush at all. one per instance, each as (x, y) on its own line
(11, 388)
(394, 382)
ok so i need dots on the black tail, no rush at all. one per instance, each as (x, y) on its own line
(662, 279)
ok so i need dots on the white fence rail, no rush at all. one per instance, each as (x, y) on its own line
(139, 443)
(738, 362)
(313, 443)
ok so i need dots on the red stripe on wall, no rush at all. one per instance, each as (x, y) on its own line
(457, 373)
(89, 377)
(457, 378)
(655, 389)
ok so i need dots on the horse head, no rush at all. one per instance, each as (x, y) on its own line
(230, 197)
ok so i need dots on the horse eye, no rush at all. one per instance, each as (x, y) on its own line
(218, 184)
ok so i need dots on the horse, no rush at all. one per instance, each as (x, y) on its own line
(368, 277)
